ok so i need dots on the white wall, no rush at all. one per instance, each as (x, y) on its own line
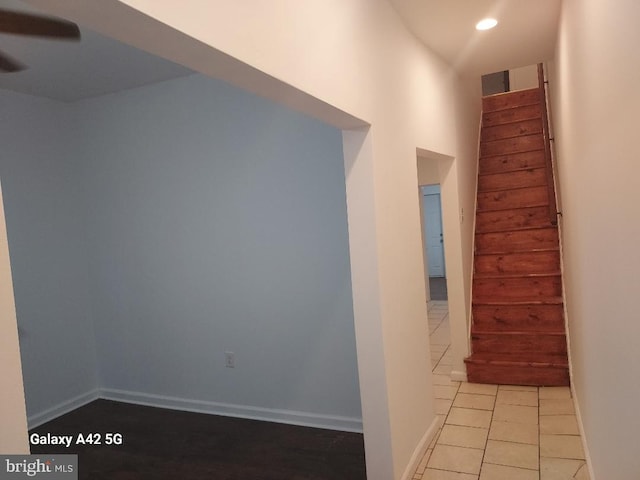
(594, 88)
(468, 111)
(348, 63)
(43, 205)
(217, 221)
(523, 78)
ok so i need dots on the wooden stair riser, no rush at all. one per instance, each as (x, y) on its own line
(516, 114)
(518, 375)
(512, 161)
(519, 318)
(511, 100)
(533, 177)
(501, 220)
(525, 262)
(519, 240)
(508, 199)
(517, 287)
(525, 143)
(521, 343)
(510, 130)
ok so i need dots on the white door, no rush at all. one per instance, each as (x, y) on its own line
(433, 234)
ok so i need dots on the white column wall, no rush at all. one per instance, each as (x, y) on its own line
(13, 414)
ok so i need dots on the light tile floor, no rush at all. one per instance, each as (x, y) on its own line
(497, 432)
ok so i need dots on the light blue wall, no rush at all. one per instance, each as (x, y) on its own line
(217, 221)
(43, 204)
(152, 230)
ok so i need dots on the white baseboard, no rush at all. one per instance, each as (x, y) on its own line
(65, 407)
(583, 437)
(331, 422)
(421, 449)
(459, 375)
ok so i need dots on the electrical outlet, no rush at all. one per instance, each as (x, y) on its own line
(229, 360)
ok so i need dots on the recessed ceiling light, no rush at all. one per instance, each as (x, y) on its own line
(486, 24)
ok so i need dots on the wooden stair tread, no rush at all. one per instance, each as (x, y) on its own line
(515, 129)
(518, 252)
(521, 144)
(517, 218)
(550, 332)
(555, 273)
(506, 161)
(513, 251)
(536, 134)
(515, 229)
(509, 100)
(513, 170)
(497, 329)
(530, 360)
(508, 189)
(500, 123)
(502, 209)
(500, 230)
(494, 155)
(523, 178)
(500, 301)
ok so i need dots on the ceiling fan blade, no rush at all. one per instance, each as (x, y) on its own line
(27, 24)
(8, 64)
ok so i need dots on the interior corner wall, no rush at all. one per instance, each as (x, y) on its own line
(594, 88)
(217, 222)
(44, 202)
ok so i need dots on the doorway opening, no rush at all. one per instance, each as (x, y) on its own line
(436, 273)
(434, 241)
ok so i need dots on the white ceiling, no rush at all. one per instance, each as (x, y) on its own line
(69, 71)
(525, 35)
(97, 65)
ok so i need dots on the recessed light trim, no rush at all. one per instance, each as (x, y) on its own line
(486, 24)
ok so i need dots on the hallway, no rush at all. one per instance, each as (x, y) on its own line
(491, 432)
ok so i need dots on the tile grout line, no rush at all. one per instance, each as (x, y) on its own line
(486, 443)
(539, 439)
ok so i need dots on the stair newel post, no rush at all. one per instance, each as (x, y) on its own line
(553, 210)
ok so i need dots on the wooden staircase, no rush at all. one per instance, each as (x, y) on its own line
(518, 331)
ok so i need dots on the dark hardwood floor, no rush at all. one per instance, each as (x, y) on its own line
(163, 444)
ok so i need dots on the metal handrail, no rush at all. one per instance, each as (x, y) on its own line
(553, 209)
